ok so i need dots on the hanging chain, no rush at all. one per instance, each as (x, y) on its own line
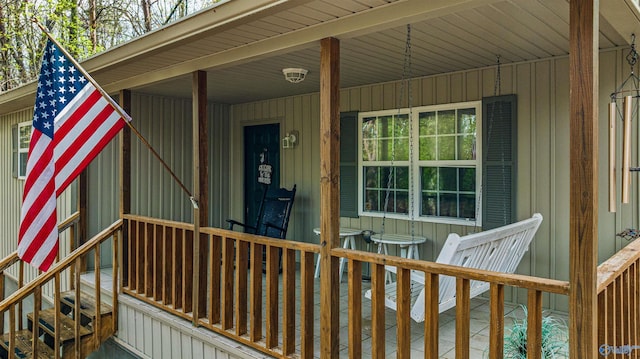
(406, 75)
(632, 56)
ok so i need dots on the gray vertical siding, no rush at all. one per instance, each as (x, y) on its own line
(543, 160)
(543, 155)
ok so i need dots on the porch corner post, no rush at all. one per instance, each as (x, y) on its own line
(200, 192)
(583, 246)
(125, 185)
(329, 195)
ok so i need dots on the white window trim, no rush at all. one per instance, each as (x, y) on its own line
(415, 171)
(21, 125)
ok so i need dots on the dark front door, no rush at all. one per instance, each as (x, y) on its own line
(261, 146)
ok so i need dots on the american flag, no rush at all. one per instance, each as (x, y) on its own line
(72, 123)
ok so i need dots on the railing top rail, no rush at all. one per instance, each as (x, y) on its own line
(159, 221)
(515, 280)
(280, 243)
(72, 219)
(610, 269)
(21, 293)
(247, 237)
(12, 258)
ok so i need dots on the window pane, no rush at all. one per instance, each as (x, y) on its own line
(369, 150)
(468, 179)
(25, 135)
(429, 178)
(402, 178)
(467, 120)
(446, 122)
(427, 123)
(467, 206)
(401, 146)
(448, 180)
(448, 205)
(371, 177)
(384, 150)
(371, 200)
(446, 148)
(369, 128)
(402, 202)
(427, 148)
(401, 126)
(429, 204)
(467, 147)
(22, 170)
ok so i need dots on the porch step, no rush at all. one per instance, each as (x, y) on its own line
(87, 306)
(67, 325)
(23, 347)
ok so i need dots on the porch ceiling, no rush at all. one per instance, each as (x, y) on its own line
(245, 44)
(456, 39)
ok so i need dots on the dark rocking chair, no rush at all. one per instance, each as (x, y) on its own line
(273, 214)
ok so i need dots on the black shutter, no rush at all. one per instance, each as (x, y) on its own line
(349, 164)
(499, 136)
(14, 151)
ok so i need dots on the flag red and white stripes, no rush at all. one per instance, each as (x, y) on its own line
(72, 123)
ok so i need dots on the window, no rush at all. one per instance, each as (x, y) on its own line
(443, 180)
(21, 136)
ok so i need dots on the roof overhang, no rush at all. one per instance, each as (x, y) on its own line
(244, 44)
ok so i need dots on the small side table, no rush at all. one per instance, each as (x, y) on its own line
(408, 246)
(348, 235)
(408, 243)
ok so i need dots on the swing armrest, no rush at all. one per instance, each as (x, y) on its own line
(233, 222)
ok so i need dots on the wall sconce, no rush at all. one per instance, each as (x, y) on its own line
(290, 140)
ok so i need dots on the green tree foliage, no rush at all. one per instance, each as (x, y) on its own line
(83, 27)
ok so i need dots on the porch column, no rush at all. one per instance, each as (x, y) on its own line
(583, 246)
(200, 192)
(329, 194)
(125, 183)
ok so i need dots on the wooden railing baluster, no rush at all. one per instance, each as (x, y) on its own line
(242, 252)
(12, 328)
(378, 279)
(37, 306)
(463, 317)
(76, 312)
(272, 297)
(307, 264)
(496, 323)
(227, 278)
(534, 324)
(98, 293)
(355, 309)
(432, 284)
(289, 301)
(115, 274)
(403, 327)
(255, 306)
(215, 261)
(20, 284)
(56, 321)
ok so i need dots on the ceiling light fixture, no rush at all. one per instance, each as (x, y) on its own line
(294, 75)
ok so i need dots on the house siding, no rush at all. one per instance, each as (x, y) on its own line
(542, 89)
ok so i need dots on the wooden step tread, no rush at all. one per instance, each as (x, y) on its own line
(87, 303)
(23, 346)
(67, 333)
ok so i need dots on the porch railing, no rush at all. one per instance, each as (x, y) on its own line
(619, 303)
(13, 304)
(257, 306)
